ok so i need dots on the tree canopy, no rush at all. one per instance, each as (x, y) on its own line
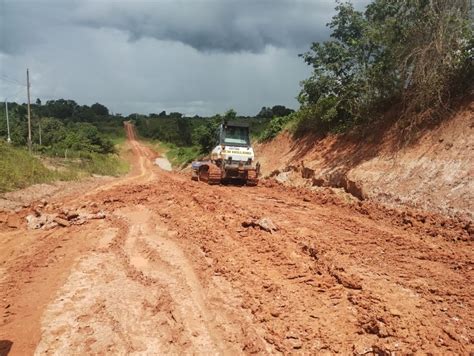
(417, 52)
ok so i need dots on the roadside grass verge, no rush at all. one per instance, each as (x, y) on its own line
(100, 164)
(19, 169)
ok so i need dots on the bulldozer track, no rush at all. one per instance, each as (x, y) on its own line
(252, 178)
(214, 175)
(211, 174)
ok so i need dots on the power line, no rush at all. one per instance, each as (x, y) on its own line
(13, 97)
(11, 80)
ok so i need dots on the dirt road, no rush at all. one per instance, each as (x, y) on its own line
(179, 267)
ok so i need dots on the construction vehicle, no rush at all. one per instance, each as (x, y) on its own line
(232, 159)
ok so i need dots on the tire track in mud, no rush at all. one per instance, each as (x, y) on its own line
(150, 252)
(136, 293)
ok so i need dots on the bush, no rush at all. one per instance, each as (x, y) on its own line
(416, 52)
(275, 126)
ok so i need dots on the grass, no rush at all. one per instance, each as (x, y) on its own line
(89, 163)
(94, 163)
(19, 169)
(117, 139)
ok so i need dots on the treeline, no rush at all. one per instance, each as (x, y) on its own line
(59, 126)
(64, 128)
(73, 140)
(198, 131)
(413, 54)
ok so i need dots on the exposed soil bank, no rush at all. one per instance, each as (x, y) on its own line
(433, 173)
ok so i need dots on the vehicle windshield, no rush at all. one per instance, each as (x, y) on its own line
(235, 135)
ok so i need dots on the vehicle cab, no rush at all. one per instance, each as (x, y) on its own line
(233, 146)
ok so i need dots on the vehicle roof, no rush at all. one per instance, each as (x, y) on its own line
(236, 123)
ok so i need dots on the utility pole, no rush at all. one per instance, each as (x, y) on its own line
(8, 122)
(471, 12)
(39, 126)
(29, 110)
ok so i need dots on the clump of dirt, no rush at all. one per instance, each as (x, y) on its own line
(265, 224)
(432, 173)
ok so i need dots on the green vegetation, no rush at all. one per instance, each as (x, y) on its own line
(18, 169)
(417, 53)
(61, 125)
(276, 125)
(180, 156)
(101, 164)
(77, 140)
(185, 138)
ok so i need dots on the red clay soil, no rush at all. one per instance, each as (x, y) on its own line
(431, 172)
(178, 266)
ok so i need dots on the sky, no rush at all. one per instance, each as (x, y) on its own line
(193, 56)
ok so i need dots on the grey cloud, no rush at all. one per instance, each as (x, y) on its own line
(200, 56)
(27, 23)
(215, 25)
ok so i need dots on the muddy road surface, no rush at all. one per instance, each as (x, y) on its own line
(167, 265)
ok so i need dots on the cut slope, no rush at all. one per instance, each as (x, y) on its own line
(435, 173)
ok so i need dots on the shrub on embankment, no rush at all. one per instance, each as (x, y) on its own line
(416, 55)
(19, 169)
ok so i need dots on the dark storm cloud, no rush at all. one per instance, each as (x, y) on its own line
(26, 23)
(193, 56)
(216, 25)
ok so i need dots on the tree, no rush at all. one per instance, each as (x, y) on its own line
(184, 131)
(99, 109)
(265, 113)
(230, 115)
(60, 108)
(410, 50)
(175, 115)
(86, 137)
(53, 131)
(281, 110)
(275, 111)
(205, 135)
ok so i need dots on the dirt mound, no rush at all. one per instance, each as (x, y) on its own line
(433, 173)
